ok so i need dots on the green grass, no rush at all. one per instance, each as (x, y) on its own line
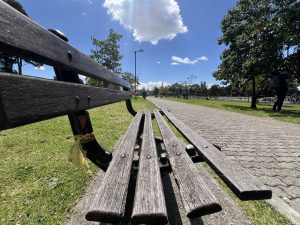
(289, 112)
(37, 184)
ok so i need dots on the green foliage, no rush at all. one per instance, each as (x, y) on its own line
(106, 52)
(144, 93)
(129, 77)
(257, 33)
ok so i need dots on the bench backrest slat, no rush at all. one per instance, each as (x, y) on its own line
(21, 36)
(25, 100)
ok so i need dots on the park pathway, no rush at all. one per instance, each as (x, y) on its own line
(267, 148)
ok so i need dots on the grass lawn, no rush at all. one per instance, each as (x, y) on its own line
(289, 112)
(37, 184)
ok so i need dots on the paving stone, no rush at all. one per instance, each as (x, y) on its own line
(272, 181)
(268, 148)
(293, 191)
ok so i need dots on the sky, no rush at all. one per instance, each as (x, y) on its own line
(179, 37)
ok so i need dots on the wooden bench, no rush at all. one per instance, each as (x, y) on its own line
(24, 100)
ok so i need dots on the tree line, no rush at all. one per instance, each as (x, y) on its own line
(184, 90)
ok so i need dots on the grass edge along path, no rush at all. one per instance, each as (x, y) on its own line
(37, 184)
(289, 113)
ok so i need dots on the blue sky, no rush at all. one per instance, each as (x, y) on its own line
(179, 37)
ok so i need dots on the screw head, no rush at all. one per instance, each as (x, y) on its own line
(70, 56)
(123, 156)
(174, 145)
(205, 146)
(178, 153)
(148, 156)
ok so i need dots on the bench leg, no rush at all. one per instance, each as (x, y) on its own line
(81, 124)
(130, 108)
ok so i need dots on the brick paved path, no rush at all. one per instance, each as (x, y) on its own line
(268, 148)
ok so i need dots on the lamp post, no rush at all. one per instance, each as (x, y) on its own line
(141, 50)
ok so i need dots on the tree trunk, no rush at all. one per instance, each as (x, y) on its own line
(254, 97)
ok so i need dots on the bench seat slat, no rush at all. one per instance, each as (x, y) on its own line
(243, 184)
(149, 201)
(25, 100)
(109, 201)
(21, 36)
(197, 199)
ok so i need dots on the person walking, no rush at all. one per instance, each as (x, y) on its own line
(281, 89)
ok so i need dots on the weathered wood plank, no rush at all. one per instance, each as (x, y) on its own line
(197, 199)
(149, 201)
(243, 184)
(25, 100)
(109, 201)
(21, 36)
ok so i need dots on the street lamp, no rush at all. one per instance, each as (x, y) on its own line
(141, 50)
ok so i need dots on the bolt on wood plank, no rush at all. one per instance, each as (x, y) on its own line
(109, 202)
(149, 201)
(25, 100)
(196, 197)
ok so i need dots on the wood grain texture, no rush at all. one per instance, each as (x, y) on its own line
(109, 200)
(197, 199)
(21, 36)
(25, 100)
(243, 184)
(149, 201)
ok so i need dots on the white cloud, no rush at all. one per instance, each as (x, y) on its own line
(151, 85)
(185, 60)
(40, 68)
(158, 62)
(83, 13)
(178, 60)
(203, 58)
(149, 21)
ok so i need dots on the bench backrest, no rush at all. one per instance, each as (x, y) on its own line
(25, 100)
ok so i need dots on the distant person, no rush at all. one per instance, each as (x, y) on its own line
(281, 89)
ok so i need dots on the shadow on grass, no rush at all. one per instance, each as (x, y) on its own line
(265, 111)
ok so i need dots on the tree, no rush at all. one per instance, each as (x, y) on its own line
(129, 77)
(215, 91)
(7, 60)
(257, 33)
(155, 91)
(106, 52)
